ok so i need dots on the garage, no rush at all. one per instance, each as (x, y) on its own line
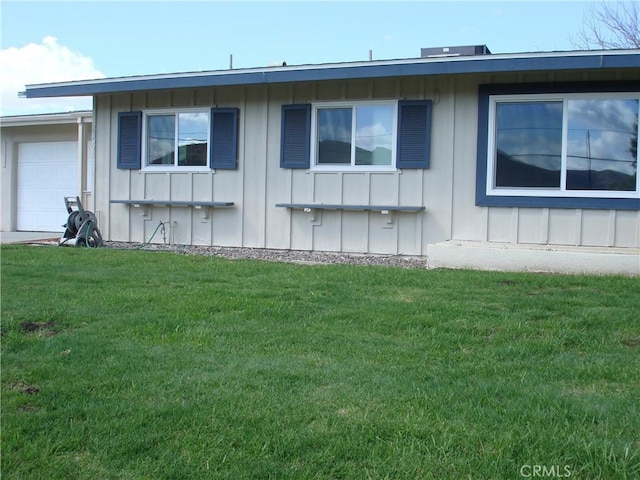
(47, 172)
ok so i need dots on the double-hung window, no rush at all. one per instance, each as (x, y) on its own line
(354, 136)
(176, 139)
(560, 150)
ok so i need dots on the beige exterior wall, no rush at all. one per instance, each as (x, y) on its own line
(446, 189)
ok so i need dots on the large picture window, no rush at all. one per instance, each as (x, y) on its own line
(354, 136)
(559, 146)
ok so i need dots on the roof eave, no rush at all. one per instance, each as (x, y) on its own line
(380, 69)
(83, 116)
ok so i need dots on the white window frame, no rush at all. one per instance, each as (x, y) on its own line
(352, 167)
(492, 190)
(173, 168)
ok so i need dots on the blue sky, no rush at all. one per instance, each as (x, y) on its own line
(42, 42)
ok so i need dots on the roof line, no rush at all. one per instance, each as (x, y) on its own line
(46, 118)
(340, 71)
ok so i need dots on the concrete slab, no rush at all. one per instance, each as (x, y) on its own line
(535, 258)
(28, 237)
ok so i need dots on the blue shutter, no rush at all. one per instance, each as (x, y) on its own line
(129, 140)
(224, 138)
(414, 134)
(295, 136)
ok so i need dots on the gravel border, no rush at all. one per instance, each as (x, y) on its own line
(288, 256)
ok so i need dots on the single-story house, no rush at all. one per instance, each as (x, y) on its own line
(505, 161)
(44, 158)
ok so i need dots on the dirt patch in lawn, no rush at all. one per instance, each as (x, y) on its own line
(25, 388)
(47, 329)
(28, 408)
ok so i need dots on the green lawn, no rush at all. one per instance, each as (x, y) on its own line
(153, 365)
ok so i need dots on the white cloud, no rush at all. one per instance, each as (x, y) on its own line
(44, 62)
(372, 136)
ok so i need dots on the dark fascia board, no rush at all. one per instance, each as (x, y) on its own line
(500, 63)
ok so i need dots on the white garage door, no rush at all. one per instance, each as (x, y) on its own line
(47, 172)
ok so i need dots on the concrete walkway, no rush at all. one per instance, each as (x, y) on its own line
(28, 237)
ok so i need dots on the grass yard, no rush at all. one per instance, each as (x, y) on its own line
(151, 365)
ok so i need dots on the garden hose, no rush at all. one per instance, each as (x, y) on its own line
(86, 239)
(161, 224)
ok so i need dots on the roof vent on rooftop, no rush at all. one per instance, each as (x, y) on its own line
(454, 51)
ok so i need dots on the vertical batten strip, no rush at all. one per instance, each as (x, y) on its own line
(611, 237)
(545, 226)
(577, 238)
(515, 221)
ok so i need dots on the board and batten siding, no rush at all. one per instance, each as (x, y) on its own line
(446, 189)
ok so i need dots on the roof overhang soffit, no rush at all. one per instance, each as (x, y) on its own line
(420, 67)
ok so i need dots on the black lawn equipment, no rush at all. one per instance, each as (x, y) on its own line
(81, 227)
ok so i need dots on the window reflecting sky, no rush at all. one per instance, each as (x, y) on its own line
(530, 132)
(600, 134)
(192, 128)
(334, 124)
(373, 134)
(334, 136)
(374, 127)
(161, 139)
(601, 143)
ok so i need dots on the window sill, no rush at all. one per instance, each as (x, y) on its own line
(353, 169)
(170, 169)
